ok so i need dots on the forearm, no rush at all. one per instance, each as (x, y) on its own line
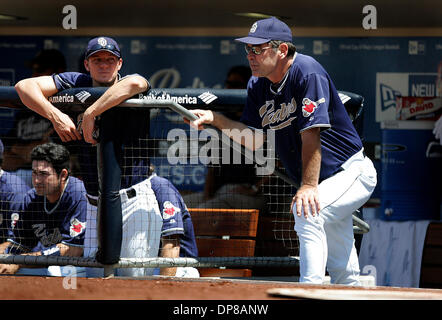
(238, 132)
(170, 249)
(59, 249)
(311, 168)
(69, 251)
(32, 96)
(311, 158)
(307, 196)
(34, 93)
(3, 246)
(117, 94)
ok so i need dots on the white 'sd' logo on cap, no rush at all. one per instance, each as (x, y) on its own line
(253, 28)
(102, 42)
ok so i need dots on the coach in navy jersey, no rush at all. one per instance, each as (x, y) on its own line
(291, 94)
(51, 218)
(11, 186)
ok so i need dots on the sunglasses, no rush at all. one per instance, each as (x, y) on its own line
(255, 50)
(110, 47)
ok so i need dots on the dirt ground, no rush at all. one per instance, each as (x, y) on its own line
(162, 288)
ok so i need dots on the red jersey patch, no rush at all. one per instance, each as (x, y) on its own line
(76, 227)
(309, 106)
(169, 210)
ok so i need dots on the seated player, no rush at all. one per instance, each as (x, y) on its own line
(29, 129)
(51, 218)
(11, 186)
(155, 222)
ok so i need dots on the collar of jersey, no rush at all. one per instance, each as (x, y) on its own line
(58, 202)
(281, 84)
(283, 81)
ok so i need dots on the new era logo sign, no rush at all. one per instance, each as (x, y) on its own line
(388, 97)
(207, 97)
(83, 95)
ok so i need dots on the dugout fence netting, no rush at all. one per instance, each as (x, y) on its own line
(207, 170)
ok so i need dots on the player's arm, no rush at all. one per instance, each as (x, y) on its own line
(307, 195)
(59, 249)
(116, 94)
(170, 248)
(34, 93)
(236, 130)
(3, 246)
(7, 268)
(68, 251)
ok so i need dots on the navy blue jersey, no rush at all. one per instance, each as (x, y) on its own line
(12, 187)
(128, 127)
(308, 99)
(37, 225)
(176, 217)
(67, 80)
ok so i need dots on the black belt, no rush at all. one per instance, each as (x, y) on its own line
(131, 192)
(92, 201)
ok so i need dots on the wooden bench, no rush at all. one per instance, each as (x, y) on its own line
(225, 233)
(431, 268)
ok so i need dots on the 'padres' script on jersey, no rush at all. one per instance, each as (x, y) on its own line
(282, 116)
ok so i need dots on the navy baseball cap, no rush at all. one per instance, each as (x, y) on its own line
(265, 30)
(102, 44)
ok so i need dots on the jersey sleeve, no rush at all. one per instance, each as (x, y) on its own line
(314, 101)
(171, 206)
(15, 232)
(139, 75)
(67, 80)
(74, 225)
(74, 230)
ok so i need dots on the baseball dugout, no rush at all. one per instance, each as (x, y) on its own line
(151, 132)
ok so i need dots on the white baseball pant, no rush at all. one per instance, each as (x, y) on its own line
(142, 223)
(142, 226)
(327, 240)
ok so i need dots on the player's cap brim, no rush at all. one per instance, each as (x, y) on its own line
(93, 52)
(253, 40)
